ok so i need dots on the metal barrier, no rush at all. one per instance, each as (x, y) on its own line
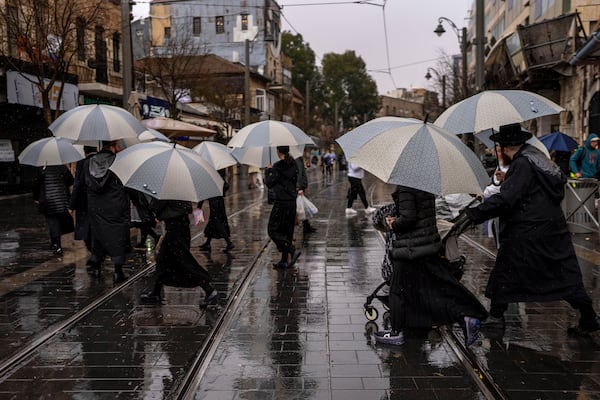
(580, 205)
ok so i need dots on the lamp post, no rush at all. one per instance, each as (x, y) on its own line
(462, 40)
(443, 79)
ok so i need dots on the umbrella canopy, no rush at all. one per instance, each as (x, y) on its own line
(493, 108)
(148, 135)
(167, 172)
(270, 134)
(216, 154)
(173, 127)
(558, 141)
(354, 139)
(51, 151)
(263, 156)
(92, 123)
(425, 157)
(484, 137)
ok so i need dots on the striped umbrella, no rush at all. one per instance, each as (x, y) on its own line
(167, 171)
(270, 134)
(96, 122)
(493, 108)
(425, 157)
(51, 151)
(216, 154)
(263, 156)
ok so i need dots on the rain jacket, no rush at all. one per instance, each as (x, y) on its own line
(536, 260)
(51, 189)
(108, 207)
(282, 179)
(586, 159)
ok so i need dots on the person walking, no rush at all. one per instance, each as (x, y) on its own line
(423, 292)
(175, 265)
(109, 211)
(79, 204)
(282, 179)
(146, 221)
(355, 177)
(585, 161)
(217, 226)
(51, 194)
(536, 261)
(301, 186)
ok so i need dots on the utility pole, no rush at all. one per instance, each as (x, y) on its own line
(480, 43)
(247, 85)
(307, 111)
(127, 58)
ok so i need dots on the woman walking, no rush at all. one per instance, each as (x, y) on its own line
(217, 226)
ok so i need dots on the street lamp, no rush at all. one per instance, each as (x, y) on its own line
(443, 79)
(462, 41)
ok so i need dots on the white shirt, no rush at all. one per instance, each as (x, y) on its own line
(355, 171)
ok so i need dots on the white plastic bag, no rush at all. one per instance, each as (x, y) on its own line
(300, 210)
(309, 208)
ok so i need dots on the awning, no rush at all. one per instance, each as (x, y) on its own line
(172, 127)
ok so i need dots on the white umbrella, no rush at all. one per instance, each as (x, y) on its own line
(96, 122)
(270, 134)
(484, 137)
(351, 141)
(168, 172)
(263, 156)
(425, 157)
(51, 151)
(148, 135)
(216, 154)
(493, 108)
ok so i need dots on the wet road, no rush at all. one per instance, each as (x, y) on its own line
(297, 334)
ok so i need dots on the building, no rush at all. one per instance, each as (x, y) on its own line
(410, 103)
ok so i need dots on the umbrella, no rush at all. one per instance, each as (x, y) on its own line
(92, 123)
(422, 156)
(167, 172)
(216, 154)
(148, 135)
(558, 141)
(51, 151)
(173, 127)
(351, 141)
(263, 156)
(493, 108)
(270, 134)
(484, 137)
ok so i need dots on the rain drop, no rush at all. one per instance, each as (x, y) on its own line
(533, 108)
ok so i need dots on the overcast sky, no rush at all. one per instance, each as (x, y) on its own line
(339, 25)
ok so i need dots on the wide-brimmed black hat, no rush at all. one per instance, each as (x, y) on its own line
(511, 135)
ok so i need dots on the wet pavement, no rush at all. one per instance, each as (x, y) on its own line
(294, 334)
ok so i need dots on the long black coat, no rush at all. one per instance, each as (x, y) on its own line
(536, 260)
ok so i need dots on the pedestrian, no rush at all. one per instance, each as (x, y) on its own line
(502, 164)
(302, 184)
(585, 161)
(79, 204)
(355, 177)
(109, 211)
(175, 265)
(217, 226)
(282, 179)
(536, 261)
(255, 178)
(145, 221)
(423, 292)
(51, 191)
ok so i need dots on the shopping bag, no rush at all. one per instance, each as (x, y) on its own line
(198, 216)
(309, 208)
(300, 211)
(66, 223)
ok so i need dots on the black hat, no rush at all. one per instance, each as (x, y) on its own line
(511, 135)
(283, 149)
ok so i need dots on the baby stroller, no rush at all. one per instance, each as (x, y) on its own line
(450, 256)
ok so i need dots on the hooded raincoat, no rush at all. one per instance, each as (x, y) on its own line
(586, 159)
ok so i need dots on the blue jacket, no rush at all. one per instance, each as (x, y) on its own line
(586, 159)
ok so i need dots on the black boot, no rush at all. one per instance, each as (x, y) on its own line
(154, 296)
(307, 228)
(118, 276)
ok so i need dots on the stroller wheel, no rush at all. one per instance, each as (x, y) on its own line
(387, 320)
(371, 313)
(370, 328)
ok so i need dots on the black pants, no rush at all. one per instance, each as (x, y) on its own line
(356, 189)
(281, 226)
(53, 221)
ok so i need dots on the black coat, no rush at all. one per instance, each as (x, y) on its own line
(536, 260)
(282, 180)
(51, 189)
(79, 202)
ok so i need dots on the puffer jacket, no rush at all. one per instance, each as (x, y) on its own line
(282, 180)
(415, 229)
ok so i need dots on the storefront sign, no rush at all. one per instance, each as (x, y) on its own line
(7, 154)
(153, 107)
(20, 89)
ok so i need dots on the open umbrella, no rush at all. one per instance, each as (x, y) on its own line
(216, 154)
(270, 134)
(493, 108)
(96, 122)
(262, 156)
(558, 141)
(148, 135)
(422, 156)
(484, 137)
(51, 151)
(168, 172)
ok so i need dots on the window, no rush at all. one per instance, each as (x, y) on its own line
(167, 32)
(220, 24)
(244, 22)
(80, 28)
(259, 100)
(116, 44)
(196, 26)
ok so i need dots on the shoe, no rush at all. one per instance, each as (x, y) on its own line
(370, 210)
(205, 247)
(281, 265)
(351, 211)
(471, 330)
(230, 246)
(210, 299)
(389, 337)
(151, 298)
(58, 251)
(295, 256)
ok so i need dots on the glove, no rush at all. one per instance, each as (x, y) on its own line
(462, 222)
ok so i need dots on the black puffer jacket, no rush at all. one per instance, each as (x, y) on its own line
(282, 179)
(415, 228)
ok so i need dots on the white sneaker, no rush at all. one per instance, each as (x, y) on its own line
(351, 211)
(370, 210)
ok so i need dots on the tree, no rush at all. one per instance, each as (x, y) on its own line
(41, 41)
(350, 92)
